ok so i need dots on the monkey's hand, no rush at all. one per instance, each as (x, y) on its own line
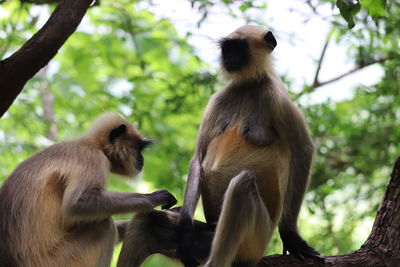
(163, 198)
(297, 246)
(176, 209)
(186, 242)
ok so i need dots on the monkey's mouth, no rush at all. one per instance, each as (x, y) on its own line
(139, 162)
(235, 54)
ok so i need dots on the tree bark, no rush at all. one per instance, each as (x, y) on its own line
(16, 70)
(382, 247)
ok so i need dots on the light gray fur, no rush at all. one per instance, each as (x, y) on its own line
(257, 99)
(243, 215)
(55, 209)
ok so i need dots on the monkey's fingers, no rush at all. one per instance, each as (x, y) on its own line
(163, 198)
(296, 246)
(176, 209)
(284, 251)
(312, 253)
(299, 256)
(169, 203)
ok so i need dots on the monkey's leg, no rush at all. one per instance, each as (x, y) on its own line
(244, 226)
(107, 246)
(88, 245)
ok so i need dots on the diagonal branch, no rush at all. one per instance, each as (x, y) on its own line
(318, 84)
(351, 71)
(16, 70)
(321, 59)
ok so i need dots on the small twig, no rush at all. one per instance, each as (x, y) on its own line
(347, 73)
(321, 58)
(355, 69)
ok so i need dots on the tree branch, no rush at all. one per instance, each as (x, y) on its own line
(321, 59)
(382, 247)
(318, 84)
(355, 69)
(16, 70)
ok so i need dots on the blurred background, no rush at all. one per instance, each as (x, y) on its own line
(156, 63)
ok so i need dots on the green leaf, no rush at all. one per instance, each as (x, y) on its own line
(348, 9)
(376, 8)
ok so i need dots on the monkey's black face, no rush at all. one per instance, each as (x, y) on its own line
(139, 162)
(235, 54)
(139, 147)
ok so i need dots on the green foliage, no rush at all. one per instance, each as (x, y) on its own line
(356, 10)
(376, 8)
(125, 59)
(15, 26)
(348, 10)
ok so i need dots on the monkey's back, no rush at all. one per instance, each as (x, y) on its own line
(33, 230)
(230, 153)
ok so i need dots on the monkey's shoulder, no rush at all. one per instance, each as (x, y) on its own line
(61, 159)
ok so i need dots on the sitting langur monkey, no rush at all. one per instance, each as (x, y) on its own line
(252, 160)
(251, 168)
(54, 208)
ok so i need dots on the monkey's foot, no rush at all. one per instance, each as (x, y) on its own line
(298, 247)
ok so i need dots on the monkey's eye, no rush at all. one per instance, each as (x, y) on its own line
(142, 144)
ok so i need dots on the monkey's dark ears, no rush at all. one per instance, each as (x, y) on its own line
(270, 40)
(116, 133)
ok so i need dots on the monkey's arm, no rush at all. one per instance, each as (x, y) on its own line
(192, 192)
(186, 226)
(294, 129)
(208, 130)
(93, 203)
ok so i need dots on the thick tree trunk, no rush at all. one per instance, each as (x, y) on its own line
(382, 247)
(16, 70)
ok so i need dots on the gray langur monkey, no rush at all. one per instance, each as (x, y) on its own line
(252, 161)
(55, 210)
(251, 168)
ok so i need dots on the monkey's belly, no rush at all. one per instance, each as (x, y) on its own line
(230, 153)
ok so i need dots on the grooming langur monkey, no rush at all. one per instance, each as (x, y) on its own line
(251, 168)
(54, 208)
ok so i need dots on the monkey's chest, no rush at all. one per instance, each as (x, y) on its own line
(230, 153)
